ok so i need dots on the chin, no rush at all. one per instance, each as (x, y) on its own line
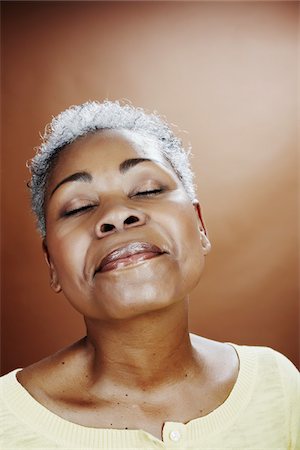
(133, 301)
(132, 311)
(135, 291)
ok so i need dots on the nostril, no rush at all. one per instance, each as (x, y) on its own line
(105, 227)
(130, 220)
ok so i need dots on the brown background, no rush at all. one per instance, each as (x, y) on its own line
(226, 73)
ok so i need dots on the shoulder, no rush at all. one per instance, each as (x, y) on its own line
(11, 397)
(276, 384)
(8, 382)
(270, 362)
(275, 363)
(220, 359)
(271, 367)
(270, 375)
(21, 416)
(52, 374)
(46, 380)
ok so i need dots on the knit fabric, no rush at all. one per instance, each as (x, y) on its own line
(262, 412)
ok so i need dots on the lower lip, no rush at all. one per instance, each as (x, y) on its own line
(129, 261)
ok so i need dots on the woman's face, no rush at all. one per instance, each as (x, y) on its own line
(123, 238)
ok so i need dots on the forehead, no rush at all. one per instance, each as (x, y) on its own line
(106, 150)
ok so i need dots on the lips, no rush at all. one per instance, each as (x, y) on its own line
(129, 254)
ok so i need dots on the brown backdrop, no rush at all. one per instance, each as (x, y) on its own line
(226, 73)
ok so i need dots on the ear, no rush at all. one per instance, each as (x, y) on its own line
(54, 283)
(205, 242)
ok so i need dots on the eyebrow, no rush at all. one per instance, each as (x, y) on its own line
(129, 163)
(86, 177)
(78, 176)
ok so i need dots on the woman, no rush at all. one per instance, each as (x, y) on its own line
(125, 242)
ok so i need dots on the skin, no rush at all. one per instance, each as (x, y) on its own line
(138, 366)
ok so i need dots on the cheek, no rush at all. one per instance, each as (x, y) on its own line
(191, 257)
(183, 272)
(67, 253)
(183, 228)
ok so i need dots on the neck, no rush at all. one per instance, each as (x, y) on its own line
(146, 351)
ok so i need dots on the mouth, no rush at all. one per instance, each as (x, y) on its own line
(130, 254)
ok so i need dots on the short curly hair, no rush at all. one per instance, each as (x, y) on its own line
(80, 120)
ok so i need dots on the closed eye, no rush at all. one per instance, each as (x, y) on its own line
(148, 193)
(75, 211)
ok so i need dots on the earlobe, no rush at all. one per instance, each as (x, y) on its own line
(54, 283)
(205, 242)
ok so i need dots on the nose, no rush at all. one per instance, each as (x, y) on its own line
(119, 218)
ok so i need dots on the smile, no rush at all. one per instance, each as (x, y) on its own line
(131, 254)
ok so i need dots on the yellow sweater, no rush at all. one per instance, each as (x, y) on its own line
(262, 412)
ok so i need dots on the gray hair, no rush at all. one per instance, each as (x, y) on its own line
(89, 117)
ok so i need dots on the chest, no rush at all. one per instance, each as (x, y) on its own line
(149, 413)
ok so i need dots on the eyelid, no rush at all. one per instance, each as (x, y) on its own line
(148, 185)
(76, 209)
(148, 192)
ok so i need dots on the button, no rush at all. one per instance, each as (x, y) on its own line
(175, 435)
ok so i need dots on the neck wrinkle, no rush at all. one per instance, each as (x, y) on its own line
(150, 350)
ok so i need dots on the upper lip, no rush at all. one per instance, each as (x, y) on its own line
(129, 249)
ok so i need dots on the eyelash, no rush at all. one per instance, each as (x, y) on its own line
(75, 211)
(148, 193)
